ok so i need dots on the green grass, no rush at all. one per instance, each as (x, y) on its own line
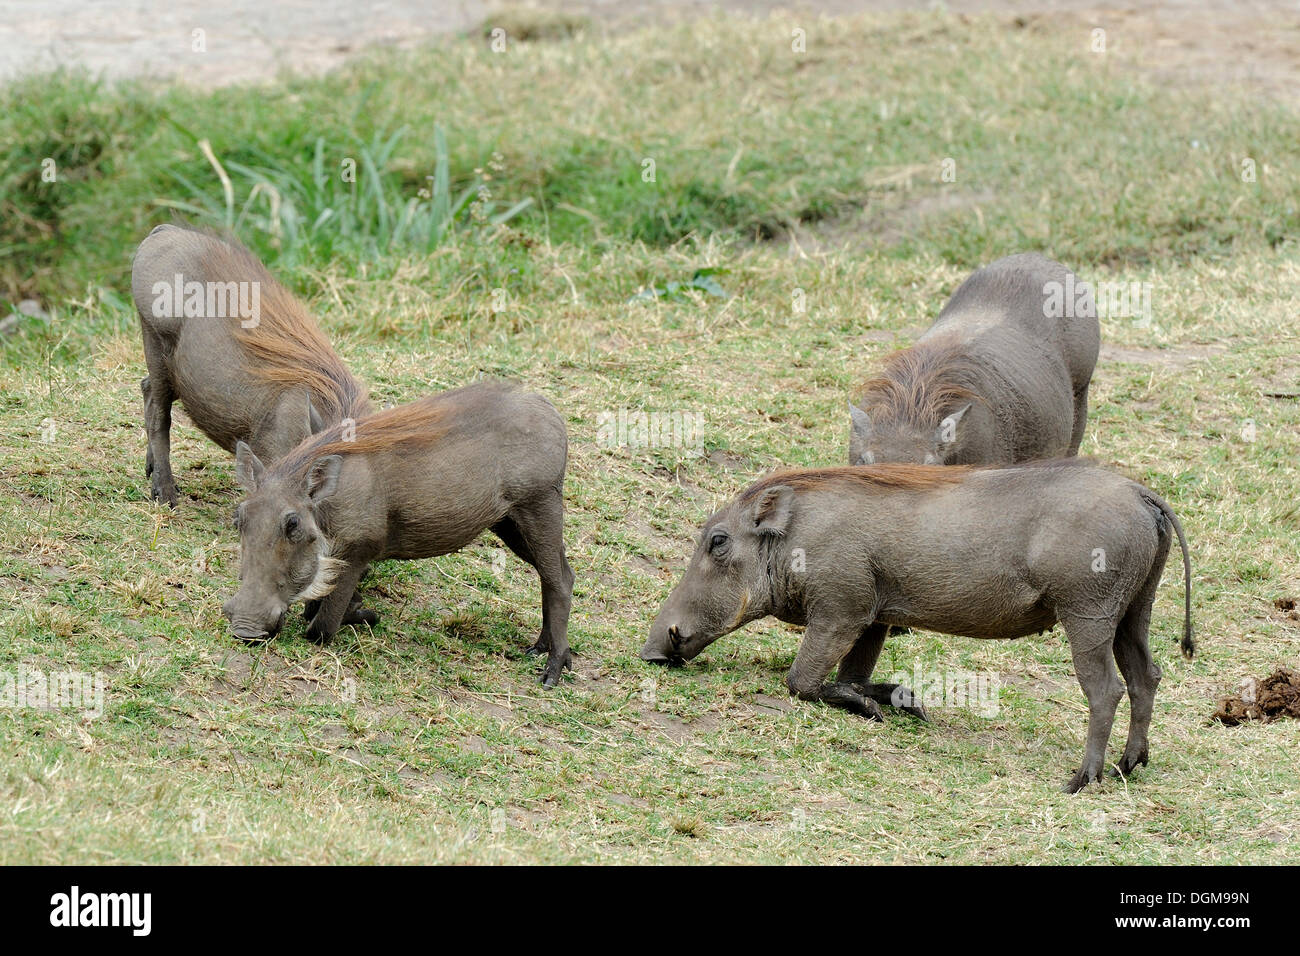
(1052, 145)
(428, 740)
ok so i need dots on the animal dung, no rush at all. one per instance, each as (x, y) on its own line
(1274, 697)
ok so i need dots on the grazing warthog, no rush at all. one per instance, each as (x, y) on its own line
(234, 346)
(416, 481)
(999, 378)
(988, 553)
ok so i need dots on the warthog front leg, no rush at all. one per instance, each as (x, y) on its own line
(855, 670)
(824, 644)
(329, 616)
(355, 614)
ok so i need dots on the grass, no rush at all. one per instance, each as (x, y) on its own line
(428, 740)
(1051, 146)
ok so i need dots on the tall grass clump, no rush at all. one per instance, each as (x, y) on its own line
(346, 198)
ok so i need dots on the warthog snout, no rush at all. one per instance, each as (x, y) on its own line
(247, 627)
(664, 646)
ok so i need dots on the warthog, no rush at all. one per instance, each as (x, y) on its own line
(988, 553)
(999, 378)
(245, 358)
(416, 481)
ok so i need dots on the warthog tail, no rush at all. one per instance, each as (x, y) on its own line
(1187, 644)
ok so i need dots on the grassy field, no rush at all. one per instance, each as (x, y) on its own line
(813, 177)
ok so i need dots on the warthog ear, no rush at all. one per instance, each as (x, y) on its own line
(314, 423)
(772, 510)
(946, 433)
(295, 418)
(323, 478)
(248, 468)
(859, 420)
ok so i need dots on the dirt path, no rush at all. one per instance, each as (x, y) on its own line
(245, 40)
(1256, 42)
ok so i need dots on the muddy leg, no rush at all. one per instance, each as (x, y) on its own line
(824, 645)
(1141, 673)
(329, 616)
(1091, 647)
(855, 670)
(1080, 419)
(158, 397)
(540, 525)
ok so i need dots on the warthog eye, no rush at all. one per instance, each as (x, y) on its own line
(717, 542)
(290, 524)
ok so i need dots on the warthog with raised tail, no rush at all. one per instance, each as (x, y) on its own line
(415, 481)
(1001, 377)
(244, 357)
(975, 552)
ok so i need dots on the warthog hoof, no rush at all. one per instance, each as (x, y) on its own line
(866, 707)
(163, 491)
(1080, 780)
(361, 615)
(848, 697)
(540, 646)
(354, 614)
(1127, 764)
(893, 695)
(555, 668)
(316, 632)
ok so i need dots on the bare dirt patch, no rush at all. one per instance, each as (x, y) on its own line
(728, 460)
(869, 227)
(1179, 357)
(763, 703)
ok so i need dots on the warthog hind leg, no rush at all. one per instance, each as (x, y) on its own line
(156, 389)
(535, 532)
(1091, 646)
(1141, 673)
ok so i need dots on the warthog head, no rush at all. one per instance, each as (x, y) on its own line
(872, 443)
(283, 555)
(728, 582)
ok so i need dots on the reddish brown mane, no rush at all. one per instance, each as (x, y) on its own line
(890, 476)
(418, 423)
(918, 385)
(287, 347)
